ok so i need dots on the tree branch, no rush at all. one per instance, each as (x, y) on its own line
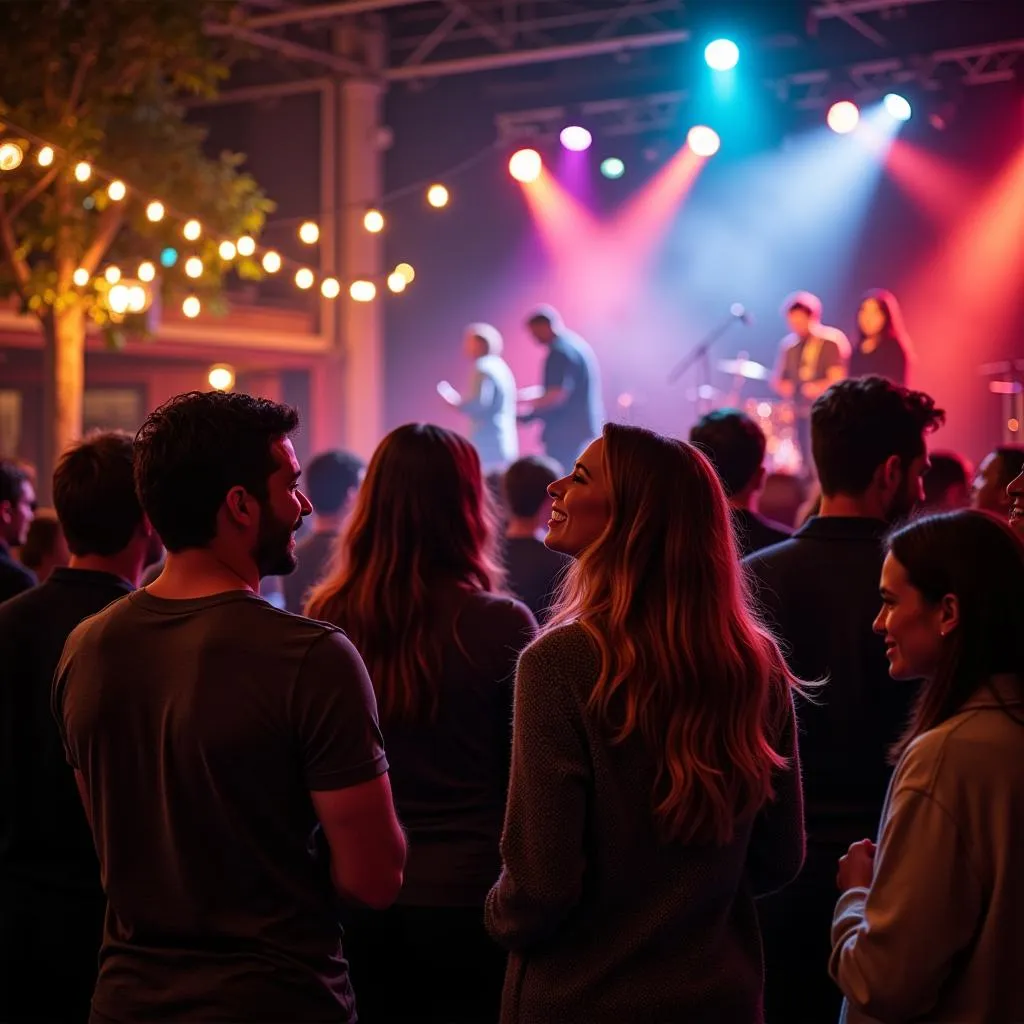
(9, 245)
(34, 192)
(111, 220)
(85, 61)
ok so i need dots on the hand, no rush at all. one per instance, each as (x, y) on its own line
(857, 868)
(448, 393)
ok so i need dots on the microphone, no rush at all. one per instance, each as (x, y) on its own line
(739, 311)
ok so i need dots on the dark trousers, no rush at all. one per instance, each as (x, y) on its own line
(428, 965)
(796, 926)
(49, 949)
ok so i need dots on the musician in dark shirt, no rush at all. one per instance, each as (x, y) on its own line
(882, 348)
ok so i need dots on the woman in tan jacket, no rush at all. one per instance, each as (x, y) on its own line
(930, 924)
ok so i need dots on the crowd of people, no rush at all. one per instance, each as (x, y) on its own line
(586, 742)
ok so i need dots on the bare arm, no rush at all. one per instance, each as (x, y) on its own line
(367, 844)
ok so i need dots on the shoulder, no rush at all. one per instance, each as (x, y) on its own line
(498, 610)
(770, 558)
(15, 574)
(837, 338)
(564, 650)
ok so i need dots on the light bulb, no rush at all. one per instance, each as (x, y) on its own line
(396, 282)
(146, 272)
(194, 267)
(155, 211)
(80, 277)
(309, 233)
(192, 230)
(373, 221)
(363, 291)
(405, 271)
(45, 156)
(271, 262)
(221, 378)
(117, 299)
(11, 155)
(191, 307)
(83, 172)
(438, 196)
(116, 191)
(329, 288)
(246, 246)
(227, 250)
(136, 298)
(304, 278)
(112, 274)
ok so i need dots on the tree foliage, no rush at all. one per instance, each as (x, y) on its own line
(105, 81)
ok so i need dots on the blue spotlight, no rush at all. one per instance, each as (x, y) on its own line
(721, 55)
(613, 168)
(897, 107)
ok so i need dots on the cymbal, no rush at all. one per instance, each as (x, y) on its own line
(744, 368)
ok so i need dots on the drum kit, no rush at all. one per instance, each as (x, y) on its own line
(775, 417)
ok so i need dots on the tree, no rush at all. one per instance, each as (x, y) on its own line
(103, 81)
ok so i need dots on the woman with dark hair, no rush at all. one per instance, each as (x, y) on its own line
(415, 586)
(930, 924)
(655, 787)
(882, 348)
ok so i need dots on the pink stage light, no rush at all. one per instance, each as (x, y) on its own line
(525, 165)
(576, 138)
(843, 117)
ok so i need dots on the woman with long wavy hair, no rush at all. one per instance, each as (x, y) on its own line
(415, 586)
(882, 348)
(942, 893)
(655, 783)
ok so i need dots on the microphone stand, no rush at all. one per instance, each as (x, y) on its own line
(701, 353)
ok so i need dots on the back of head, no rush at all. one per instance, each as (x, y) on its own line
(422, 518)
(193, 449)
(947, 472)
(979, 559)
(94, 495)
(43, 538)
(545, 314)
(526, 482)
(1011, 462)
(806, 301)
(858, 424)
(330, 478)
(684, 661)
(734, 443)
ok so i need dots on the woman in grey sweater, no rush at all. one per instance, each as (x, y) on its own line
(655, 785)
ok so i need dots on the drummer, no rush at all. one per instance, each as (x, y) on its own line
(811, 359)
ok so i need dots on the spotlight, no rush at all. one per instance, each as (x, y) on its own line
(843, 117)
(221, 378)
(525, 165)
(897, 107)
(613, 168)
(576, 139)
(703, 141)
(438, 196)
(721, 55)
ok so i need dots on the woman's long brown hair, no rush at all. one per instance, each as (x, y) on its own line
(978, 558)
(685, 662)
(422, 518)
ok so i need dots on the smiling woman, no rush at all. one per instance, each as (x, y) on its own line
(580, 503)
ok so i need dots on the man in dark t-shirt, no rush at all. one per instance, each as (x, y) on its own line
(533, 568)
(51, 901)
(17, 510)
(569, 401)
(227, 753)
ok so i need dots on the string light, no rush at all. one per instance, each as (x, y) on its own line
(168, 256)
(396, 282)
(406, 272)
(309, 233)
(117, 299)
(363, 291)
(221, 378)
(116, 191)
(329, 288)
(438, 196)
(192, 230)
(304, 278)
(83, 171)
(146, 272)
(246, 246)
(227, 250)
(155, 211)
(191, 307)
(271, 262)
(45, 156)
(80, 277)
(112, 274)
(373, 221)
(194, 267)
(137, 298)
(11, 155)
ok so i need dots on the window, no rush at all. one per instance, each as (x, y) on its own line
(113, 409)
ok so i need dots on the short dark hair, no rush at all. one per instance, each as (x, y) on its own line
(41, 539)
(526, 483)
(946, 470)
(94, 494)
(197, 446)
(330, 478)
(857, 424)
(12, 478)
(734, 443)
(1011, 461)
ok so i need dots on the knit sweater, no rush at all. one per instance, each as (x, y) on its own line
(605, 921)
